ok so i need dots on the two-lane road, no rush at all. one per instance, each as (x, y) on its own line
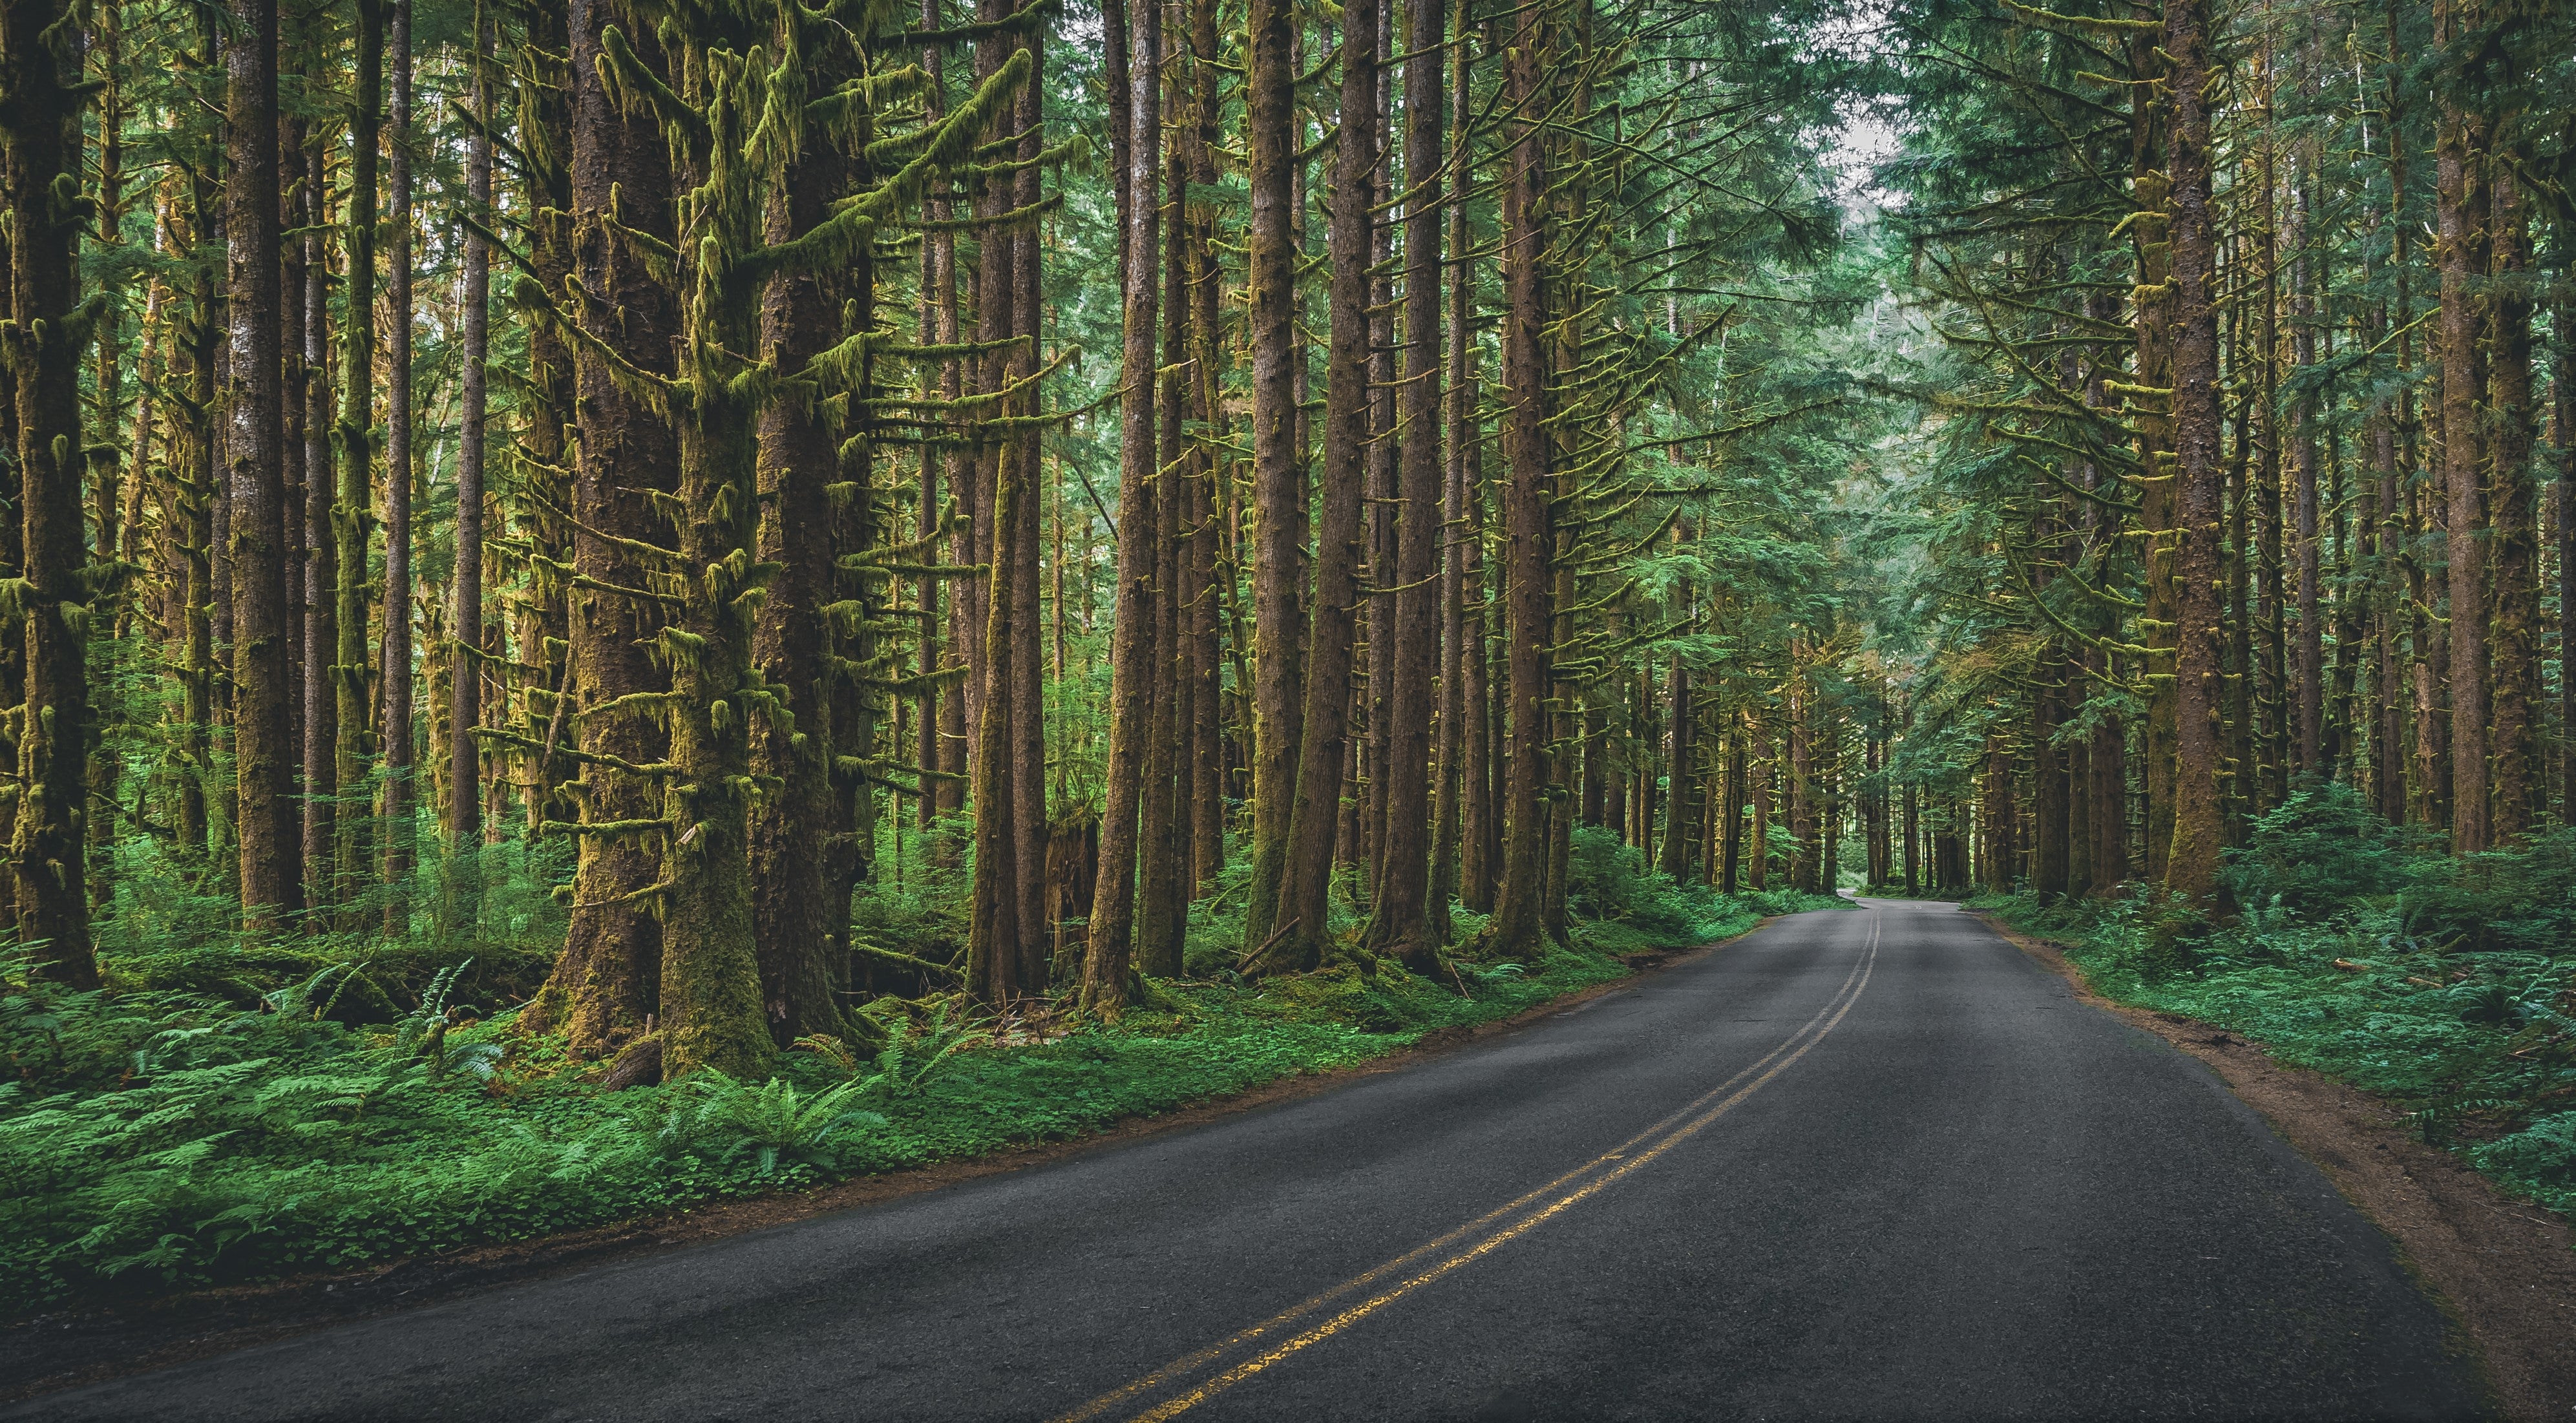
(1870, 1163)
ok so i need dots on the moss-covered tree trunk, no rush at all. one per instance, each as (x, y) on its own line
(1301, 930)
(2459, 216)
(320, 690)
(394, 675)
(604, 984)
(2191, 866)
(1109, 945)
(465, 588)
(41, 347)
(1521, 876)
(2513, 507)
(1401, 919)
(793, 920)
(264, 753)
(1278, 471)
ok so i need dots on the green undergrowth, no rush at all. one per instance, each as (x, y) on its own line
(2446, 985)
(157, 1138)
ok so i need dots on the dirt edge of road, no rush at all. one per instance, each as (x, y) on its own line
(50, 1353)
(2504, 1270)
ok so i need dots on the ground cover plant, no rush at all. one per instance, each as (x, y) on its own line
(2446, 985)
(161, 1138)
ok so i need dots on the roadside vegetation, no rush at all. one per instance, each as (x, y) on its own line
(2363, 951)
(167, 1131)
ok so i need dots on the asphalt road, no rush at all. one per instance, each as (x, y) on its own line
(1869, 1164)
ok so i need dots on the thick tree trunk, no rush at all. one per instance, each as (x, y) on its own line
(793, 920)
(1206, 510)
(1515, 928)
(465, 615)
(606, 982)
(1278, 470)
(2459, 207)
(2049, 794)
(1402, 919)
(2514, 733)
(264, 753)
(39, 149)
(1108, 943)
(2191, 866)
(1029, 820)
(1674, 859)
(1162, 892)
(1298, 937)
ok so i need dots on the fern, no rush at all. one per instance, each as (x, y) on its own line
(771, 1121)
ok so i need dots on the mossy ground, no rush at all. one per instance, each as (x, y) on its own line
(163, 1139)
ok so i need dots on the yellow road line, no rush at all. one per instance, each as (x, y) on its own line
(1618, 1163)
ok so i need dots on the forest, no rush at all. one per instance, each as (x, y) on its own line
(621, 602)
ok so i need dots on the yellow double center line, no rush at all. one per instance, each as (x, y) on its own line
(1474, 1240)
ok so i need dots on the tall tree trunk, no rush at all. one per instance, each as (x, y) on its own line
(1278, 468)
(1113, 899)
(40, 118)
(792, 916)
(465, 617)
(1515, 927)
(400, 753)
(2514, 735)
(1162, 894)
(2049, 793)
(1299, 934)
(1206, 509)
(2151, 190)
(2458, 208)
(606, 982)
(2309, 689)
(1402, 921)
(321, 560)
(264, 753)
(1029, 821)
(350, 514)
(2562, 439)
(2191, 866)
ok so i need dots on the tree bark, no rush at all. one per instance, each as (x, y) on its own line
(792, 917)
(1278, 469)
(1108, 942)
(2514, 732)
(1515, 927)
(40, 118)
(350, 513)
(2191, 866)
(1297, 941)
(263, 749)
(2460, 247)
(395, 677)
(1401, 921)
(465, 616)
(606, 982)
(321, 561)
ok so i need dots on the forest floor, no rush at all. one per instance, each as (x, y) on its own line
(1869, 1162)
(181, 1170)
(2503, 1268)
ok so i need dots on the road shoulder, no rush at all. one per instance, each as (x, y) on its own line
(2503, 1270)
